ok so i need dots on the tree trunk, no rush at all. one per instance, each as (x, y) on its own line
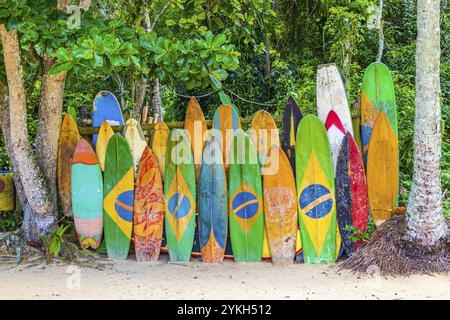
(49, 124)
(39, 215)
(156, 99)
(425, 217)
(380, 32)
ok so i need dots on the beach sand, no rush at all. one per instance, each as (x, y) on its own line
(230, 280)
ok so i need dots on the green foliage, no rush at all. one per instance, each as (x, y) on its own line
(358, 235)
(52, 242)
(10, 220)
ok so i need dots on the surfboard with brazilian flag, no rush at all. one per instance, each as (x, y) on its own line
(315, 192)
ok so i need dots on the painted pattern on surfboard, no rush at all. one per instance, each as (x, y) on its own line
(335, 133)
(104, 134)
(264, 134)
(7, 191)
(87, 195)
(195, 128)
(377, 94)
(226, 118)
(67, 142)
(106, 107)
(280, 210)
(351, 192)
(213, 203)
(118, 197)
(148, 219)
(382, 169)
(180, 197)
(331, 95)
(315, 192)
(291, 118)
(245, 201)
(136, 140)
(161, 133)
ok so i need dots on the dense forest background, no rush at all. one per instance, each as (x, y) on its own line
(273, 49)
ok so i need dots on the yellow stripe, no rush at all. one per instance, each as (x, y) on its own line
(245, 204)
(317, 201)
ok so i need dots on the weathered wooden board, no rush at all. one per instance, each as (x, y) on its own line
(68, 140)
(280, 210)
(180, 197)
(245, 201)
(106, 107)
(382, 169)
(7, 193)
(331, 95)
(315, 192)
(148, 218)
(160, 138)
(87, 195)
(213, 204)
(335, 133)
(118, 197)
(104, 134)
(136, 140)
(378, 94)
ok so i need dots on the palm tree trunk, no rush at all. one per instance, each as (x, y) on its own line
(425, 217)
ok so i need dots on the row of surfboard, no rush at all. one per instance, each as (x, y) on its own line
(312, 188)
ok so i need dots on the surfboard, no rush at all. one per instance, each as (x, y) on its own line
(148, 221)
(335, 133)
(180, 197)
(104, 134)
(136, 140)
(7, 193)
(118, 197)
(315, 192)
(378, 94)
(160, 137)
(264, 134)
(291, 118)
(68, 140)
(280, 210)
(351, 192)
(87, 195)
(245, 201)
(195, 126)
(331, 95)
(382, 169)
(226, 121)
(106, 107)
(213, 204)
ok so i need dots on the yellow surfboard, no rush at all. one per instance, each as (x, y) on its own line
(195, 126)
(136, 140)
(382, 169)
(159, 142)
(104, 134)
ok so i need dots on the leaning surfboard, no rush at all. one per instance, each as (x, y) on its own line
(213, 204)
(245, 201)
(160, 137)
(351, 192)
(315, 192)
(180, 197)
(331, 95)
(87, 195)
(335, 133)
(104, 134)
(68, 140)
(378, 94)
(280, 210)
(106, 107)
(291, 118)
(136, 140)
(118, 196)
(382, 169)
(148, 219)
(7, 193)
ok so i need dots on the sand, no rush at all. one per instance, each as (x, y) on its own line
(132, 280)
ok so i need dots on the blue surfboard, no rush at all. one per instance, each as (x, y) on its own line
(106, 107)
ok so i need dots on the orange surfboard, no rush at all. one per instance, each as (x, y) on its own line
(104, 134)
(382, 169)
(160, 138)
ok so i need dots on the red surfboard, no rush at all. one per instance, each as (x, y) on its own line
(335, 133)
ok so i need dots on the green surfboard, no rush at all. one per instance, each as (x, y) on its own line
(245, 201)
(315, 192)
(118, 197)
(179, 195)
